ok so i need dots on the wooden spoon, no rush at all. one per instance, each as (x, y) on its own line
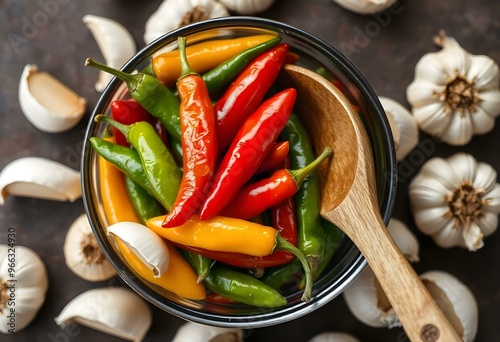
(349, 200)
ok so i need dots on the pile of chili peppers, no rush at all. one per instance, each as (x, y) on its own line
(220, 167)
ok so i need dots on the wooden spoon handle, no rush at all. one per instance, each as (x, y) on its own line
(419, 314)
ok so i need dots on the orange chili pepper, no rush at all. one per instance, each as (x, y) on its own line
(202, 56)
(180, 278)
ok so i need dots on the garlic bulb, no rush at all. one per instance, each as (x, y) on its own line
(39, 178)
(403, 125)
(456, 201)
(246, 7)
(115, 42)
(113, 310)
(456, 300)
(455, 94)
(333, 337)
(365, 6)
(365, 298)
(195, 332)
(23, 284)
(47, 103)
(82, 253)
(173, 14)
(144, 243)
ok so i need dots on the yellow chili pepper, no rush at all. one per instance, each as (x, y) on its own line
(180, 278)
(223, 234)
(203, 56)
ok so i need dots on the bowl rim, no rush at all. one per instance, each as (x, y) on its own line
(266, 318)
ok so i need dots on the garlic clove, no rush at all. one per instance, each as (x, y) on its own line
(403, 125)
(195, 332)
(485, 71)
(47, 103)
(172, 14)
(82, 253)
(459, 130)
(456, 300)
(113, 310)
(246, 7)
(31, 283)
(39, 178)
(333, 337)
(365, 6)
(404, 239)
(144, 243)
(115, 42)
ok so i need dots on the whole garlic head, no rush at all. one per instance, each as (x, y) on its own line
(455, 94)
(456, 201)
(365, 6)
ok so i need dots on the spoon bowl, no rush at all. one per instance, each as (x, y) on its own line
(349, 200)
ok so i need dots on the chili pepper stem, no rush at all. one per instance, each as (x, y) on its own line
(284, 245)
(124, 129)
(131, 80)
(300, 174)
(185, 68)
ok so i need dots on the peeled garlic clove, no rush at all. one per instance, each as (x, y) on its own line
(115, 42)
(333, 337)
(39, 178)
(82, 253)
(456, 300)
(113, 310)
(47, 103)
(403, 125)
(144, 243)
(173, 14)
(404, 239)
(246, 7)
(365, 6)
(195, 332)
(28, 278)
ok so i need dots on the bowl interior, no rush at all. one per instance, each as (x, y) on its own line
(347, 261)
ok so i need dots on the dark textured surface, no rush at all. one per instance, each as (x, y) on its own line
(393, 44)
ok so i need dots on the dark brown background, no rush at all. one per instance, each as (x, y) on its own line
(387, 59)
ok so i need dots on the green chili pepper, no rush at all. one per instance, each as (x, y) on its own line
(333, 236)
(201, 264)
(243, 288)
(145, 206)
(277, 276)
(220, 76)
(307, 199)
(151, 94)
(159, 165)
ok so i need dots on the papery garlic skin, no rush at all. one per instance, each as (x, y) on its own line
(456, 300)
(455, 94)
(246, 7)
(115, 42)
(30, 281)
(403, 126)
(404, 239)
(333, 337)
(83, 255)
(196, 332)
(113, 310)
(365, 6)
(456, 201)
(173, 14)
(42, 178)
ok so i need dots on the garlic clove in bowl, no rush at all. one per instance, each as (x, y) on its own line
(456, 300)
(403, 125)
(113, 310)
(115, 42)
(82, 253)
(47, 103)
(39, 178)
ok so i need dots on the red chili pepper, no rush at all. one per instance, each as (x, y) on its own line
(216, 298)
(198, 140)
(245, 94)
(127, 112)
(275, 157)
(256, 197)
(250, 146)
